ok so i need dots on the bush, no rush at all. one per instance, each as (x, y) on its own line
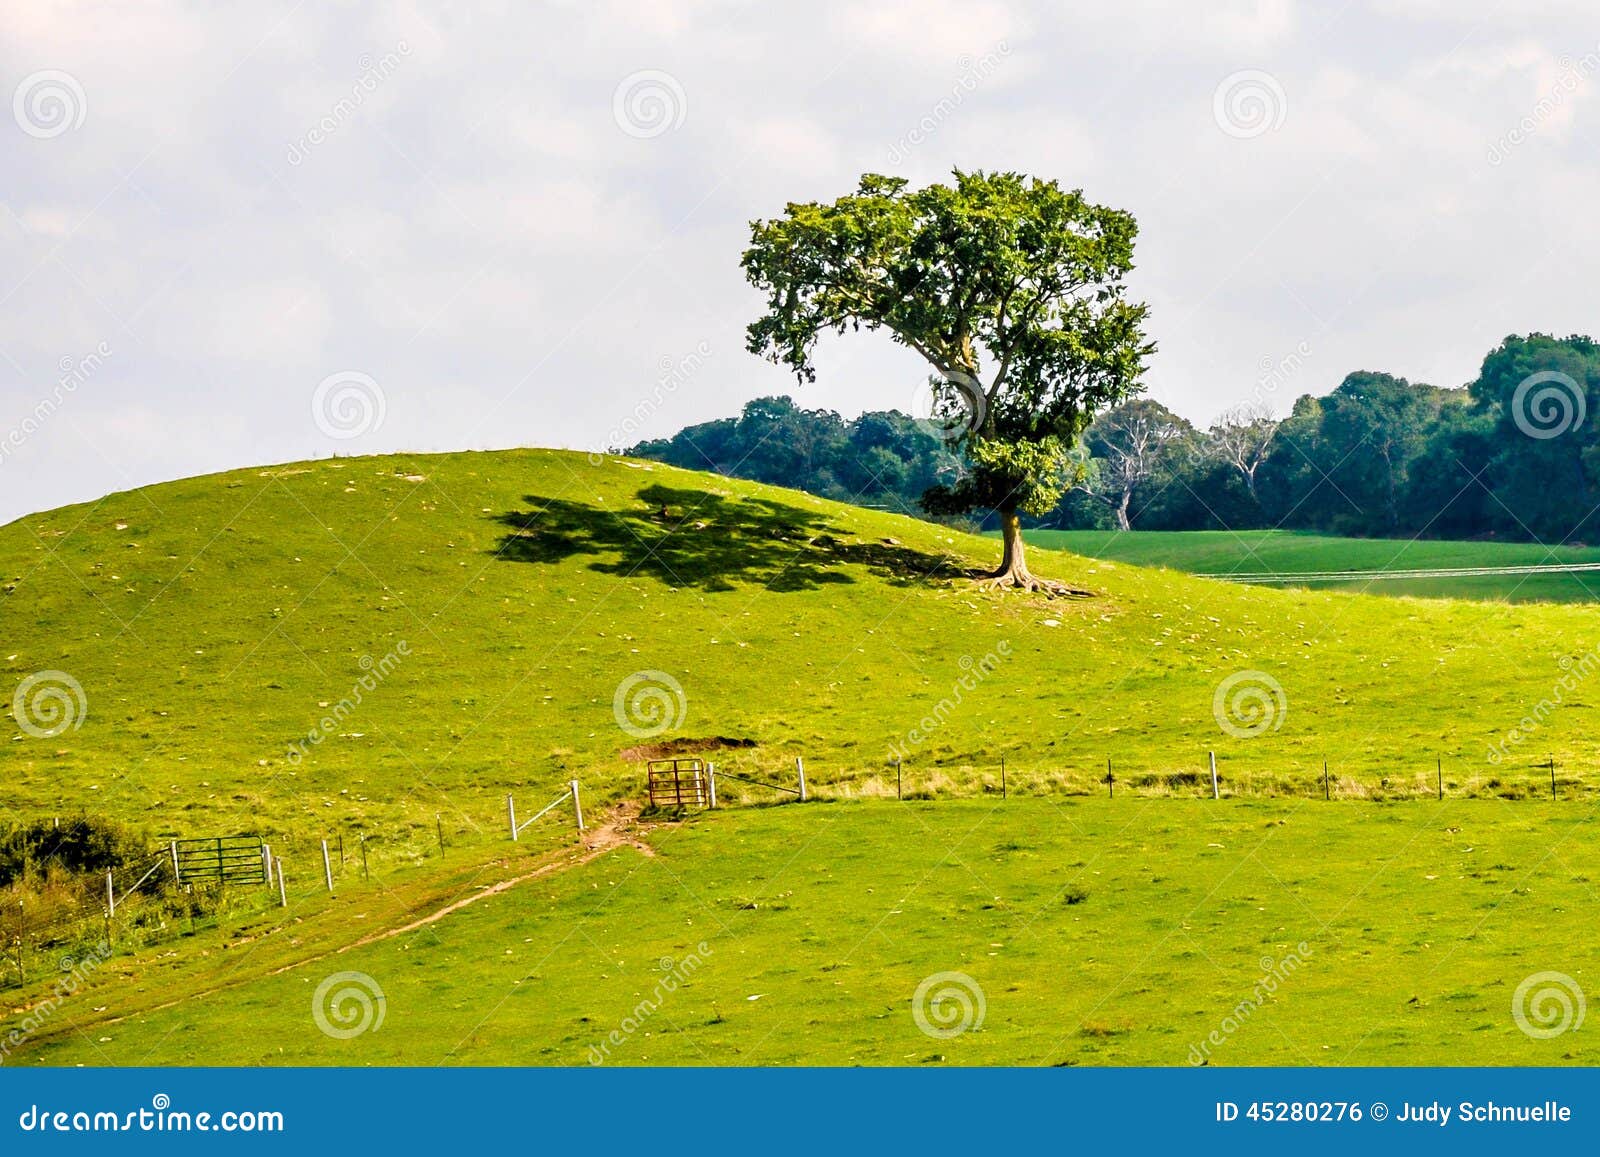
(80, 845)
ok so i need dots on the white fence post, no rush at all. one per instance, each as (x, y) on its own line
(800, 770)
(111, 897)
(1215, 794)
(511, 816)
(577, 805)
(711, 783)
(327, 868)
(173, 847)
(283, 896)
(266, 863)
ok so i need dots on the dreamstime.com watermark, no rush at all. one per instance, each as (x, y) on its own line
(1548, 1004)
(1249, 103)
(648, 103)
(974, 71)
(948, 1004)
(649, 703)
(1274, 974)
(973, 674)
(673, 975)
(49, 103)
(1274, 375)
(1249, 703)
(1572, 76)
(160, 1117)
(673, 375)
(74, 373)
(373, 74)
(376, 672)
(1576, 670)
(348, 1004)
(1548, 404)
(75, 974)
(348, 404)
(49, 703)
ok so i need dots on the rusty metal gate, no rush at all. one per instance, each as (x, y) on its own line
(679, 783)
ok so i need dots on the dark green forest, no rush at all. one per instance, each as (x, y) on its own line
(1510, 455)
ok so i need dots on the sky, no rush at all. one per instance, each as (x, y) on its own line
(234, 235)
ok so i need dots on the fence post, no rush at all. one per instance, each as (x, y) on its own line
(327, 868)
(711, 783)
(577, 805)
(111, 898)
(800, 770)
(1215, 791)
(511, 817)
(899, 781)
(438, 823)
(364, 874)
(1552, 777)
(173, 848)
(283, 896)
(1002, 776)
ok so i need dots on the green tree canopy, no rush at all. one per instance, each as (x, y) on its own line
(1010, 287)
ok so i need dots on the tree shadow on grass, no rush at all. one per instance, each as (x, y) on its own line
(694, 538)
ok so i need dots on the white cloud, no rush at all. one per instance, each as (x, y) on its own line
(480, 235)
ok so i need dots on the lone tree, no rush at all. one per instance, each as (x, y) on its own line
(1010, 287)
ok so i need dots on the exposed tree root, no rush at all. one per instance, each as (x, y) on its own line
(1022, 580)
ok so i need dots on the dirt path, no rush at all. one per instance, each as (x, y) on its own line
(620, 827)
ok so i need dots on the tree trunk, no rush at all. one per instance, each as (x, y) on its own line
(1013, 570)
(1122, 511)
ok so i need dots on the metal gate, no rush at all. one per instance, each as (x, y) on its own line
(234, 859)
(679, 783)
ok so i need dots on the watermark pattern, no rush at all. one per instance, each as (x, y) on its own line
(973, 72)
(1274, 974)
(376, 672)
(348, 1004)
(74, 373)
(1548, 1004)
(1249, 103)
(951, 405)
(1572, 76)
(648, 103)
(673, 375)
(348, 404)
(648, 703)
(1548, 404)
(1575, 671)
(49, 703)
(49, 103)
(75, 974)
(1249, 703)
(674, 974)
(1275, 374)
(973, 674)
(373, 74)
(948, 1004)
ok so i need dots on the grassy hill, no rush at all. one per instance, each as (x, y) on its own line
(477, 614)
(1291, 553)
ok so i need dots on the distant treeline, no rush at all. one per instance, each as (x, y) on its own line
(1512, 454)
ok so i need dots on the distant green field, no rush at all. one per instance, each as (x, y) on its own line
(1291, 553)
